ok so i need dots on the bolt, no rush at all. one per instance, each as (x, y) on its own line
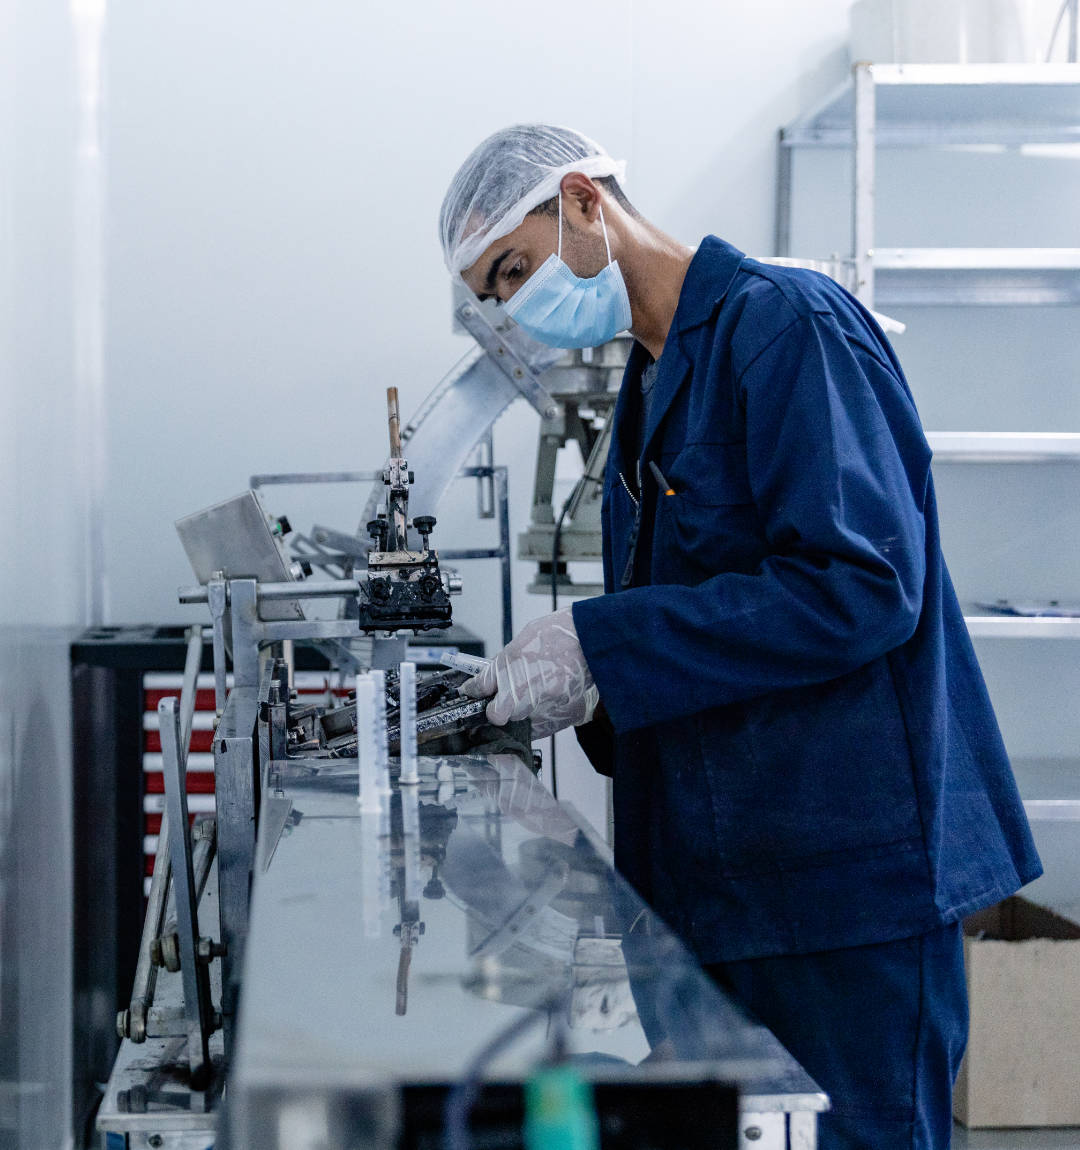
(208, 949)
(752, 1133)
(155, 1140)
(518, 373)
(467, 310)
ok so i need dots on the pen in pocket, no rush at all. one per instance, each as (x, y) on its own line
(665, 487)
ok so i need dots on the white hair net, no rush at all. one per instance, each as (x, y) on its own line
(508, 175)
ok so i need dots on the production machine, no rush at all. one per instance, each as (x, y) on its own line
(389, 934)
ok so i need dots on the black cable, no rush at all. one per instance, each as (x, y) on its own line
(462, 1095)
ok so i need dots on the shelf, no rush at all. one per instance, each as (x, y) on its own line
(953, 105)
(976, 276)
(1050, 788)
(1021, 627)
(1004, 446)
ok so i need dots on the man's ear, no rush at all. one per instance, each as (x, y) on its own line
(581, 197)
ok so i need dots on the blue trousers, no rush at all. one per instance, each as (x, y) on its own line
(880, 1028)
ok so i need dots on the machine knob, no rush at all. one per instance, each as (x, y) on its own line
(425, 524)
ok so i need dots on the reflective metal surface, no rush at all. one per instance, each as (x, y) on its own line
(390, 946)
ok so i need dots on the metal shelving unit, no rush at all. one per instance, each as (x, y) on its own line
(943, 107)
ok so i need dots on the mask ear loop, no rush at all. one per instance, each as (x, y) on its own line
(559, 253)
(603, 227)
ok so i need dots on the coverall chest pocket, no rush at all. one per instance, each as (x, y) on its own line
(711, 475)
(710, 522)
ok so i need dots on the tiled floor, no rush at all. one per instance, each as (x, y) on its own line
(1054, 1139)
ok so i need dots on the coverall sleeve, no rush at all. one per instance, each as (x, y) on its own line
(837, 466)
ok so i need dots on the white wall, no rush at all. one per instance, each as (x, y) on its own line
(275, 175)
(42, 460)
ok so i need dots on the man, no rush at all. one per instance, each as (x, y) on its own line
(809, 782)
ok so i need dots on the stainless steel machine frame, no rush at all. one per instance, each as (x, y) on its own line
(272, 812)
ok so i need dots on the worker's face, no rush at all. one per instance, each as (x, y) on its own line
(510, 261)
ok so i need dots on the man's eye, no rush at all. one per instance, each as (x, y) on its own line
(514, 272)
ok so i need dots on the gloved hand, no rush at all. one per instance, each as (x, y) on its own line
(540, 675)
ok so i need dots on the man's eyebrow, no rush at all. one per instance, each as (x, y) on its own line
(493, 271)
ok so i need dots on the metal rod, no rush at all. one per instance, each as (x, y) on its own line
(503, 501)
(133, 1026)
(193, 972)
(784, 163)
(310, 589)
(1074, 21)
(217, 596)
(202, 859)
(862, 221)
(301, 477)
(394, 421)
(189, 689)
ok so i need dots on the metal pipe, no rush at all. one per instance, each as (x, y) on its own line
(503, 500)
(202, 858)
(194, 974)
(394, 421)
(309, 589)
(189, 689)
(131, 1023)
(862, 220)
(1074, 21)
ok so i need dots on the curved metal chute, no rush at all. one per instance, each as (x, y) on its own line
(455, 418)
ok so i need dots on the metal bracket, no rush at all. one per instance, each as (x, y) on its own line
(218, 600)
(520, 374)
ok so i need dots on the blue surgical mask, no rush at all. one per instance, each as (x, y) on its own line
(563, 310)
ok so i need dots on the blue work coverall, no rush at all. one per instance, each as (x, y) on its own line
(809, 781)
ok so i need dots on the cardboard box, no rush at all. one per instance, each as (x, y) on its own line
(1022, 1066)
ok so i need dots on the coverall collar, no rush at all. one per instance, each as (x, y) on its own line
(708, 278)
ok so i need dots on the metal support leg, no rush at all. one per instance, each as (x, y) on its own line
(234, 770)
(862, 224)
(216, 597)
(244, 607)
(132, 1023)
(485, 488)
(503, 501)
(194, 972)
(784, 162)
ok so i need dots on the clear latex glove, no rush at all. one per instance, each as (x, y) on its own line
(541, 675)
